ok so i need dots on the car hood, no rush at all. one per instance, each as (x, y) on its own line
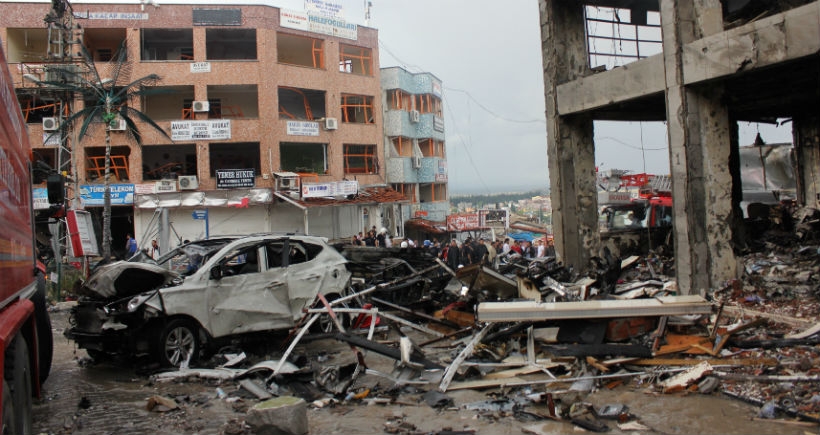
(125, 278)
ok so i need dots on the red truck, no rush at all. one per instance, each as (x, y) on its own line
(25, 327)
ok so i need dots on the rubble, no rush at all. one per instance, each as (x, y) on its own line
(537, 339)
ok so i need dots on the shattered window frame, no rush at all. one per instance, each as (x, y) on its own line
(360, 159)
(357, 109)
(355, 60)
(300, 51)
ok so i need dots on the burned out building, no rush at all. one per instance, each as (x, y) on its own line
(720, 63)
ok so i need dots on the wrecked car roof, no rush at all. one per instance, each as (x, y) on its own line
(125, 278)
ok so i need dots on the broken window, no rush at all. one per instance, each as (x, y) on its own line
(618, 36)
(431, 148)
(402, 146)
(104, 44)
(355, 60)
(360, 159)
(26, 45)
(427, 103)
(357, 109)
(432, 192)
(95, 164)
(406, 189)
(35, 109)
(301, 104)
(233, 101)
(398, 99)
(167, 162)
(166, 103)
(303, 157)
(167, 44)
(240, 155)
(223, 44)
(300, 50)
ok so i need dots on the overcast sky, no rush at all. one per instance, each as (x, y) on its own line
(488, 56)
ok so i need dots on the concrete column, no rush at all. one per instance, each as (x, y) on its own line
(807, 145)
(570, 147)
(699, 151)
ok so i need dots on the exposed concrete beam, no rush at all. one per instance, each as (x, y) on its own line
(791, 35)
(635, 80)
(788, 36)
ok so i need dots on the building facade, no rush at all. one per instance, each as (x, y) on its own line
(274, 115)
(721, 63)
(415, 151)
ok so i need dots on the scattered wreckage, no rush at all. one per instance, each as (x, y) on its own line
(541, 337)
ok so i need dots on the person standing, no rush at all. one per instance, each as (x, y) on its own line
(453, 255)
(154, 249)
(130, 246)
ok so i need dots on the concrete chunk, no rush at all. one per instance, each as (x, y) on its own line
(286, 415)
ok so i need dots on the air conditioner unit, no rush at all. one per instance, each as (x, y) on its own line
(287, 184)
(50, 124)
(118, 125)
(200, 106)
(414, 116)
(331, 124)
(188, 182)
(416, 162)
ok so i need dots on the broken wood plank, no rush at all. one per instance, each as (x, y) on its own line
(450, 371)
(511, 373)
(714, 361)
(806, 333)
(745, 312)
(681, 381)
(522, 311)
(766, 378)
(594, 363)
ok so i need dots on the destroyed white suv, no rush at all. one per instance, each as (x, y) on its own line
(202, 293)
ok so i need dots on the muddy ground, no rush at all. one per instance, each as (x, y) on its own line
(111, 398)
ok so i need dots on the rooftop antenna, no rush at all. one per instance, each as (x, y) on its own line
(367, 5)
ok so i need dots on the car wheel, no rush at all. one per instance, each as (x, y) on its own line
(17, 378)
(324, 324)
(178, 343)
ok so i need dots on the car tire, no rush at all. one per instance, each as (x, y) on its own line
(177, 339)
(45, 339)
(17, 377)
(324, 324)
(9, 428)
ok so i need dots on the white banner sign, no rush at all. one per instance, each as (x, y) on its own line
(318, 24)
(333, 188)
(212, 129)
(200, 67)
(303, 128)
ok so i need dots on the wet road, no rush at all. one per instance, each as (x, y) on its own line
(111, 398)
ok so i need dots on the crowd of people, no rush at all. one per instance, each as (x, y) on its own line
(454, 254)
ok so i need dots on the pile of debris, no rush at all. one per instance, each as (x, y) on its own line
(541, 338)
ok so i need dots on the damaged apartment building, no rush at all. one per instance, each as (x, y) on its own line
(719, 63)
(275, 118)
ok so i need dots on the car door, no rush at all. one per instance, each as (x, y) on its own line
(249, 296)
(305, 275)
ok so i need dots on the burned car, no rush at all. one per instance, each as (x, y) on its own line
(204, 293)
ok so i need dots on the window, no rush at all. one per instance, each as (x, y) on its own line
(355, 60)
(407, 190)
(300, 50)
(223, 44)
(168, 161)
(95, 164)
(427, 103)
(35, 109)
(403, 146)
(301, 104)
(167, 44)
(164, 103)
(303, 157)
(361, 159)
(234, 156)
(357, 109)
(399, 100)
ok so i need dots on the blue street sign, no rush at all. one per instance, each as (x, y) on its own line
(200, 214)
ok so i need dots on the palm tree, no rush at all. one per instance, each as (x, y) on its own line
(106, 98)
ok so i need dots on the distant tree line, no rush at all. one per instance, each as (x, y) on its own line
(490, 201)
